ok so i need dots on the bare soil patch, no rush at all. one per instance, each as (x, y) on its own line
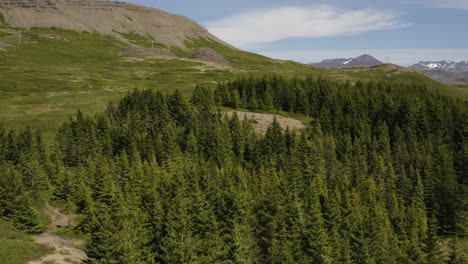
(64, 250)
(263, 121)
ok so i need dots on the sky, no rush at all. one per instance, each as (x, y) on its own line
(403, 32)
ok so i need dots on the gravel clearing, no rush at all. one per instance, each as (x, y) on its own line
(64, 250)
(262, 121)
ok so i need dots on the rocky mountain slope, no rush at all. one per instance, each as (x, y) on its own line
(461, 66)
(363, 60)
(105, 17)
(447, 76)
(444, 71)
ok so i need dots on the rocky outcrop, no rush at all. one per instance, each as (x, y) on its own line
(209, 55)
(105, 17)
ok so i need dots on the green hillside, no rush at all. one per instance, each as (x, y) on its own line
(54, 72)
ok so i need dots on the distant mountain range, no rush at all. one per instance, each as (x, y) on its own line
(363, 60)
(461, 66)
(447, 76)
(444, 71)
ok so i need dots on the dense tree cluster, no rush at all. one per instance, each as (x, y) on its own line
(377, 177)
(24, 177)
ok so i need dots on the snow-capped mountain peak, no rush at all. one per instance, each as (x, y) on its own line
(461, 66)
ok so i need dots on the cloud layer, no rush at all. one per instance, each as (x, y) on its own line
(457, 4)
(254, 28)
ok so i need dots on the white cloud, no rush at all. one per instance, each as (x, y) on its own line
(457, 4)
(404, 57)
(250, 29)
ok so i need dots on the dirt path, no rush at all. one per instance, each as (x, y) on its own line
(65, 252)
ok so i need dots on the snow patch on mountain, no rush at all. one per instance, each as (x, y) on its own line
(461, 66)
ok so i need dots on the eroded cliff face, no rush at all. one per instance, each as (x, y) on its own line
(105, 17)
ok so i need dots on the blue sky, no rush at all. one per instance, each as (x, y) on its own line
(403, 31)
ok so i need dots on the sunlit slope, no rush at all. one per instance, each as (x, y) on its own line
(54, 72)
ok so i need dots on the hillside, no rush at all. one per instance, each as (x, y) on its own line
(104, 17)
(451, 77)
(56, 71)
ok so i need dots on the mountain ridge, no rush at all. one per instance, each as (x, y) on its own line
(461, 66)
(444, 71)
(105, 17)
(363, 60)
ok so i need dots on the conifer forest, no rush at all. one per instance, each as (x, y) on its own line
(378, 176)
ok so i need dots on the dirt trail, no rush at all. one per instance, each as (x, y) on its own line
(65, 252)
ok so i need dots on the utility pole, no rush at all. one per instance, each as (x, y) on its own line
(388, 59)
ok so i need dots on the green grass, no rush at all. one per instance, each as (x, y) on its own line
(460, 90)
(461, 86)
(3, 34)
(143, 41)
(55, 72)
(18, 248)
(2, 21)
(64, 206)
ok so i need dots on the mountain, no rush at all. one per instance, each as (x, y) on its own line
(447, 76)
(105, 17)
(363, 60)
(461, 66)
(444, 71)
(331, 63)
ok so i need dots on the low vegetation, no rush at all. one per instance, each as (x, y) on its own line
(17, 247)
(54, 72)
